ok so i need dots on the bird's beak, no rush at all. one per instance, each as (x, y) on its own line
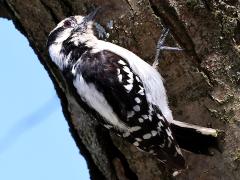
(88, 18)
(92, 15)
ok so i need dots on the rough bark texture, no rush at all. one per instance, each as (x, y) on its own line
(202, 82)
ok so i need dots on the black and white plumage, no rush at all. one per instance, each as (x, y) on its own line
(127, 92)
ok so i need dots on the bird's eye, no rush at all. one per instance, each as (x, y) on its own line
(67, 24)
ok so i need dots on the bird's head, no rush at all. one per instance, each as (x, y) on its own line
(79, 27)
(73, 33)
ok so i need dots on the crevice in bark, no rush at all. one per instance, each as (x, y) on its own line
(4, 13)
(130, 7)
(67, 5)
(237, 33)
(116, 157)
(207, 5)
(11, 9)
(170, 19)
(51, 12)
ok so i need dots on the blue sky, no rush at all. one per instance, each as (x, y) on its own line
(35, 143)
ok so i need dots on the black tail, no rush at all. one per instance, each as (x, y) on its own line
(194, 138)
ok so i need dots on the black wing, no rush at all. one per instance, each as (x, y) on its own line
(125, 93)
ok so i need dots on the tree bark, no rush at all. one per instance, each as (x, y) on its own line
(202, 82)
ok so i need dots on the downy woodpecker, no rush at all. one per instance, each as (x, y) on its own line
(124, 90)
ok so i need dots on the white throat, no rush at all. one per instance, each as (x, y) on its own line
(59, 58)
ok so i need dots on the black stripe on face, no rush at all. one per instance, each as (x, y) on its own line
(76, 51)
(53, 36)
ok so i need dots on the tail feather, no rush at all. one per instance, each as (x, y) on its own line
(194, 138)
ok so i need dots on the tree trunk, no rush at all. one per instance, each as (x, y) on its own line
(202, 81)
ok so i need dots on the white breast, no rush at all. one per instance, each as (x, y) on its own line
(97, 101)
(56, 56)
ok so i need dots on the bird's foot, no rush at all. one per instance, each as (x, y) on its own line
(101, 32)
(160, 47)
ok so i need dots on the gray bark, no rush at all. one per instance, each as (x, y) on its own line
(202, 82)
